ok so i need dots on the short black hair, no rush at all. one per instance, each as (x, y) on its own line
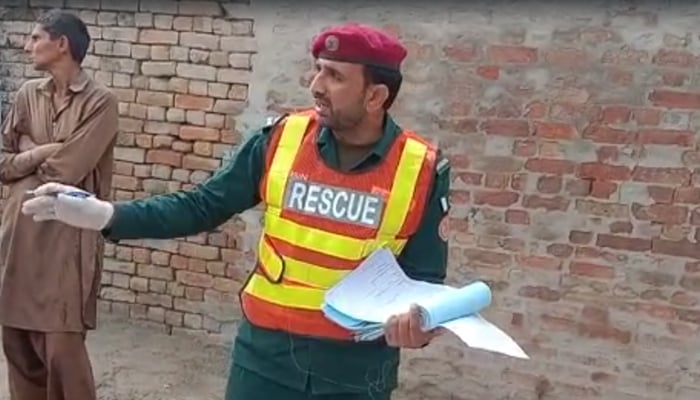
(59, 23)
(391, 78)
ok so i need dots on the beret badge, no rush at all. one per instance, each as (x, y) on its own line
(332, 43)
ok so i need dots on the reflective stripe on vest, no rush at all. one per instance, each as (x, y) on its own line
(298, 261)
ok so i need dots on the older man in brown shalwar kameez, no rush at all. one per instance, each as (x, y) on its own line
(60, 128)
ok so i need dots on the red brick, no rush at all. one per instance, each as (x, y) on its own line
(506, 127)
(459, 197)
(495, 198)
(621, 227)
(460, 52)
(549, 184)
(518, 182)
(470, 178)
(603, 189)
(591, 270)
(556, 203)
(578, 187)
(508, 54)
(608, 154)
(606, 134)
(489, 72)
(666, 137)
(687, 195)
(692, 316)
(647, 116)
(623, 243)
(536, 109)
(458, 161)
(602, 171)
(674, 78)
(605, 332)
(539, 262)
(560, 250)
(675, 58)
(580, 237)
(615, 114)
(662, 213)
(669, 176)
(690, 282)
(500, 164)
(517, 217)
(550, 166)
(568, 57)
(660, 194)
(496, 181)
(675, 99)
(683, 248)
(554, 130)
(486, 257)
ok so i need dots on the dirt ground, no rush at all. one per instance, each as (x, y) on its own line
(133, 361)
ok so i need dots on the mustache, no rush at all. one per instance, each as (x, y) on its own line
(321, 99)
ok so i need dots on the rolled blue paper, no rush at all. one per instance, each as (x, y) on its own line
(454, 304)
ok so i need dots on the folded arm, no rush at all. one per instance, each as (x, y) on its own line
(86, 145)
(19, 157)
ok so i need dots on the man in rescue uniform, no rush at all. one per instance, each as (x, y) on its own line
(338, 182)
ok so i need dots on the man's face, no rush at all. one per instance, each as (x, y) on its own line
(44, 51)
(339, 91)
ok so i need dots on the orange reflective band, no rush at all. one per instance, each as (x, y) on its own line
(286, 295)
(294, 270)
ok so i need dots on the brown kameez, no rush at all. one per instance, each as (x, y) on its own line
(51, 271)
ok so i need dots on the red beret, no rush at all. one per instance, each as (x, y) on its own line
(361, 44)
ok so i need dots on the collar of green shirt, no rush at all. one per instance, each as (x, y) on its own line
(327, 144)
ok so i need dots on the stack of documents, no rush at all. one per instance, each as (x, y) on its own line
(365, 299)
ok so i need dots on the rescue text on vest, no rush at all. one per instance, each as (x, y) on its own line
(334, 203)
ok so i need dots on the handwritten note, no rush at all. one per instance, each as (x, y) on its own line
(379, 288)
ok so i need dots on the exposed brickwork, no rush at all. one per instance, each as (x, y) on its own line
(573, 138)
(181, 71)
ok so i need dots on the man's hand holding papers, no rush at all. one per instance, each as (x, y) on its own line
(378, 299)
(406, 330)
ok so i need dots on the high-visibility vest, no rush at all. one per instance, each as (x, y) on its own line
(320, 223)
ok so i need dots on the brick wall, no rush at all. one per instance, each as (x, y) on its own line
(572, 132)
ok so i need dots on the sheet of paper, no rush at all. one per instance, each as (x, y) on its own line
(479, 333)
(379, 288)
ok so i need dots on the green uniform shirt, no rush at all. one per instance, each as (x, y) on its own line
(327, 366)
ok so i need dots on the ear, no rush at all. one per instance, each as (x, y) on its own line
(376, 96)
(63, 44)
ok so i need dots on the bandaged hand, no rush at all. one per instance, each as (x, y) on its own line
(68, 204)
